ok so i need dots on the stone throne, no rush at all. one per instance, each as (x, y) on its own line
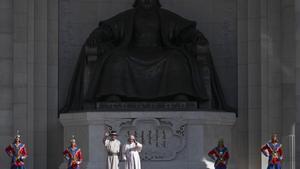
(204, 63)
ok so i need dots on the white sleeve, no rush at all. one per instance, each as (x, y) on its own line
(119, 147)
(124, 151)
(139, 147)
(106, 142)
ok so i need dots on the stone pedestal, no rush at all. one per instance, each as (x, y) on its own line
(177, 140)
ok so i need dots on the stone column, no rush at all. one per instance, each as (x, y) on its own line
(297, 33)
(6, 78)
(30, 77)
(240, 130)
(40, 83)
(288, 67)
(54, 128)
(23, 15)
(271, 69)
(254, 82)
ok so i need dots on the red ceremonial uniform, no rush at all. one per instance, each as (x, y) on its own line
(273, 151)
(220, 155)
(74, 157)
(18, 153)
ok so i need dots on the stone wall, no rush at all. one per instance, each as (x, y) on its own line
(29, 59)
(6, 76)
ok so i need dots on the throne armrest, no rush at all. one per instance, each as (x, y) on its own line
(91, 54)
(91, 58)
(203, 55)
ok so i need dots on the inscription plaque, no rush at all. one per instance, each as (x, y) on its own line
(162, 139)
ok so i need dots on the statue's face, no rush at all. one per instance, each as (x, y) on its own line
(147, 4)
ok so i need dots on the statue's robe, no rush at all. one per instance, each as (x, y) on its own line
(177, 34)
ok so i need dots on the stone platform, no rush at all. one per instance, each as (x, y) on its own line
(171, 139)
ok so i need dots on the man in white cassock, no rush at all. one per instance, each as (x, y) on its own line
(131, 152)
(112, 146)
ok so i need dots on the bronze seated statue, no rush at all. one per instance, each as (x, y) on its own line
(145, 54)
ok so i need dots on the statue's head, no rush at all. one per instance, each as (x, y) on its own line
(146, 4)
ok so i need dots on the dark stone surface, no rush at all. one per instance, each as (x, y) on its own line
(146, 106)
(145, 54)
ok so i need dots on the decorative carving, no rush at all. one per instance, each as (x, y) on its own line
(162, 139)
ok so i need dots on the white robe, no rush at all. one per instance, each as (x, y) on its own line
(131, 155)
(113, 149)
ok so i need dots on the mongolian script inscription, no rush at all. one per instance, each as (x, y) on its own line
(162, 139)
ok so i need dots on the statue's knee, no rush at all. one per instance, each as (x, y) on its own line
(113, 98)
(181, 97)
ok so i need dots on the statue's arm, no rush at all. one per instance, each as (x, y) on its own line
(202, 48)
(100, 40)
(195, 43)
(102, 34)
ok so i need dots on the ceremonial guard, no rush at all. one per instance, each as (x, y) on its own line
(220, 155)
(112, 146)
(273, 150)
(73, 155)
(17, 152)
